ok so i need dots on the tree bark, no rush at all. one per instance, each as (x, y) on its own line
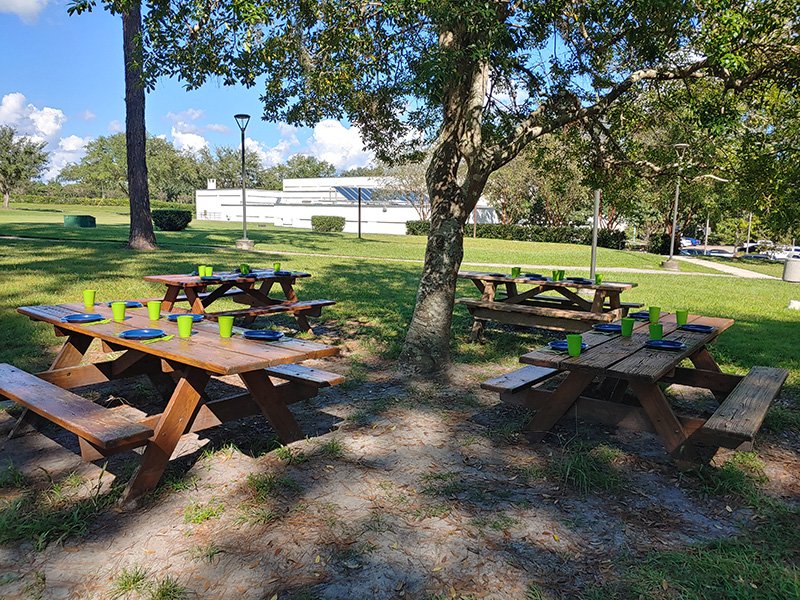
(142, 236)
(5, 199)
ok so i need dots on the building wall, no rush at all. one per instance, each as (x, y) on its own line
(303, 198)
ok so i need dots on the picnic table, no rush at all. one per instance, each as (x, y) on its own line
(180, 368)
(252, 290)
(546, 303)
(618, 363)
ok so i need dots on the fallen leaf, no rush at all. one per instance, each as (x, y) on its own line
(664, 584)
(555, 537)
(436, 569)
(394, 546)
(728, 508)
(317, 559)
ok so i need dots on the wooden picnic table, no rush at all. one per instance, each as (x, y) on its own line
(181, 369)
(253, 291)
(546, 303)
(626, 363)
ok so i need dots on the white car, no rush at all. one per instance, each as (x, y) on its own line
(720, 253)
(786, 252)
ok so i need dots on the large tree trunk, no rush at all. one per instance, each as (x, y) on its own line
(5, 199)
(141, 235)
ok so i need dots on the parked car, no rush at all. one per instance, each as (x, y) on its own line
(691, 252)
(755, 257)
(720, 253)
(687, 242)
(786, 252)
(748, 247)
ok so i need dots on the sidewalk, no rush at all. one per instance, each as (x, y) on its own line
(745, 273)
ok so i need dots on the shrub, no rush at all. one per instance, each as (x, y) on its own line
(172, 220)
(659, 244)
(327, 223)
(532, 233)
(418, 227)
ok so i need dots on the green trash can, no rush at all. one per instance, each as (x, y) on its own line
(79, 221)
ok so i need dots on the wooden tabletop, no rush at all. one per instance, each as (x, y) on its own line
(628, 358)
(184, 280)
(205, 349)
(547, 281)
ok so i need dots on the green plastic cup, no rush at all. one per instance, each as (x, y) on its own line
(118, 310)
(185, 326)
(154, 310)
(88, 298)
(627, 326)
(515, 272)
(656, 331)
(574, 341)
(655, 313)
(561, 274)
(598, 279)
(209, 271)
(225, 326)
(555, 275)
(201, 271)
(276, 266)
(681, 316)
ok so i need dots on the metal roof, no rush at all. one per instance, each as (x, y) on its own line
(351, 193)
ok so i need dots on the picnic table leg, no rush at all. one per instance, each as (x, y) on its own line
(599, 300)
(702, 359)
(274, 409)
(559, 403)
(169, 298)
(72, 351)
(194, 301)
(657, 407)
(174, 421)
(487, 295)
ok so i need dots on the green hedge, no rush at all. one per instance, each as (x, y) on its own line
(172, 220)
(327, 223)
(659, 244)
(532, 233)
(33, 199)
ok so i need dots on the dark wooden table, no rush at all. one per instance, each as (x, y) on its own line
(253, 291)
(623, 363)
(548, 304)
(181, 370)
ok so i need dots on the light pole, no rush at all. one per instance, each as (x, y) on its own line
(243, 244)
(671, 263)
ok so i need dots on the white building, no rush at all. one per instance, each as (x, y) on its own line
(301, 199)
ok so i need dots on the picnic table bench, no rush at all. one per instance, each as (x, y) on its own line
(179, 368)
(620, 363)
(250, 290)
(538, 307)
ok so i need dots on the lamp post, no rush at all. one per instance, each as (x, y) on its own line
(243, 244)
(671, 263)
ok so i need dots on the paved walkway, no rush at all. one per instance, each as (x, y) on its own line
(746, 273)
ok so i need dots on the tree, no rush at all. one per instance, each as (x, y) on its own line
(141, 235)
(406, 180)
(103, 169)
(21, 159)
(301, 165)
(225, 165)
(368, 171)
(475, 80)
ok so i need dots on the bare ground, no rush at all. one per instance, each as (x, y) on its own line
(403, 489)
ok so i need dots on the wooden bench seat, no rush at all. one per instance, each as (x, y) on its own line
(483, 309)
(306, 375)
(740, 415)
(99, 426)
(311, 307)
(518, 380)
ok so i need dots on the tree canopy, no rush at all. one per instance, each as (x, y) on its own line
(21, 159)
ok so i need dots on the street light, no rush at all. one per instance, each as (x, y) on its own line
(243, 244)
(680, 150)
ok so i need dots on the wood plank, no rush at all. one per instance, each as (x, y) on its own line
(488, 277)
(277, 413)
(72, 412)
(543, 322)
(73, 350)
(179, 411)
(195, 281)
(658, 410)
(503, 307)
(740, 416)
(520, 379)
(305, 375)
(700, 378)
(304, 306)
(560, 402)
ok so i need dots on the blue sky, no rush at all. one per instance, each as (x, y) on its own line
(62, 81)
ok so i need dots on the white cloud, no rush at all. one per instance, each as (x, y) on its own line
(186, 140)
(70, 149)
(115, 127)
(87, 115)
(41, 124)
(27, 10)
(277, 154)
(339, 145)
(218, 127)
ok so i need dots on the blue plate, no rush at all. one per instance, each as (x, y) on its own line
(562, 345)
(128, 303)
(581, 280)
(608, 327)
(642, 315)
(497, 274)
(698, 328)
(263, 334)
(282, 273)
(142, 334)
(83, 318)
(665, 345)
(535, 276)
(195, 318)
(210, 278)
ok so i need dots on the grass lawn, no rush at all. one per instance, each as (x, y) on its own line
(46, 221)
(374, 304)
